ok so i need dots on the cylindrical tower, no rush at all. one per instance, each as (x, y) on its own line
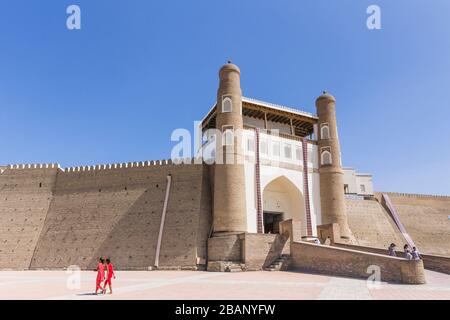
(330, 168)
(229, 179)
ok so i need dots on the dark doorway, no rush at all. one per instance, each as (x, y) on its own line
(271, 222)
(346, 189)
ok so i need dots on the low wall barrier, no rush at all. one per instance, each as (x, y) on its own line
(351, 263)
(430, 262)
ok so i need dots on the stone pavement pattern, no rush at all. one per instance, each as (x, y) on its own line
(180, 285)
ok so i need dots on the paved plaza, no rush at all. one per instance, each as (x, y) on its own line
(180, 285)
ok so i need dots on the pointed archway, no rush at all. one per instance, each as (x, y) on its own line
(282, 200)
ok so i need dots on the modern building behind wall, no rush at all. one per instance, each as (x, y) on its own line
(285, 186)
(358, 184)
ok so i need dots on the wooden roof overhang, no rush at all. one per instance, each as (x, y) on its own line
(301, 124)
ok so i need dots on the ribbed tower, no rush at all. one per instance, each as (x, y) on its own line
(229, 180)
(330, 170)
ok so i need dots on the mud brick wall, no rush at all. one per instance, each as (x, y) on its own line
(225, 248)
(436, 263)
(371, 225)
(25, 195)
(52, 218)
(260, 250)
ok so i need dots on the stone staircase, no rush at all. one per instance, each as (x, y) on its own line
(279, 264)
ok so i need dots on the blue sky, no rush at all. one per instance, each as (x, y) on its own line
(116, 89)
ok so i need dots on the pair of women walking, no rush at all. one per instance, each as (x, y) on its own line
(105, 273)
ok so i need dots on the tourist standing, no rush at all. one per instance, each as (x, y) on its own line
(415, 254)
(391, 250)
(407, 252)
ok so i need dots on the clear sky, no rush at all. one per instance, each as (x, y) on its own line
(116, 89)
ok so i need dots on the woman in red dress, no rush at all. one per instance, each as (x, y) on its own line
(100, 275)
(109, 275)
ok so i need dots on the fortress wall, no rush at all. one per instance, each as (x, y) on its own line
(188, 219)
(115, 211)
(371, 225)
(426, 220)
(25, 195)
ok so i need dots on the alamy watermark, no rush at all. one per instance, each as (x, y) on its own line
(374, 280)
(214, 146)
(74, 277)
(73, 21)
(374, 20)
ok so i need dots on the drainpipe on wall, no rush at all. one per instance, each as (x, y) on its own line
(306, 187)
(259, 209)
(163, 218)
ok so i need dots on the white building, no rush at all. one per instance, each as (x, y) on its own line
(281, 182)
(357, 183)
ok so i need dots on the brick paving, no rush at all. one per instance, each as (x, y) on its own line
(187, 285)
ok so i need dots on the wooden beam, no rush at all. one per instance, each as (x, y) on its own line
(279, 112)
(265, 120)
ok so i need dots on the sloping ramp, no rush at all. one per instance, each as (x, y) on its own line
(426, 219)
(397, 220)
